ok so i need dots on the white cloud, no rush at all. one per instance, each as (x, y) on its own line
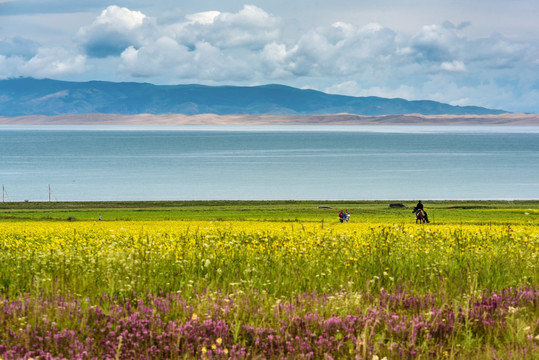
(114, 30)
(338, 50)
(166, 57)
(213, 46)
(497, 52)
(436, 43)
(156, 58)
(119, 19)
(250, 28)
(53, 62)
(206, 17)
(274, 54)
(456, 66)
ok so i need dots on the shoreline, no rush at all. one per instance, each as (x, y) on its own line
(507, 119)
(180, 203)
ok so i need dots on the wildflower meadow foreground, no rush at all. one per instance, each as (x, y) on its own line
(268, 290)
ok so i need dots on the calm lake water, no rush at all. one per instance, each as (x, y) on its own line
(269, 162)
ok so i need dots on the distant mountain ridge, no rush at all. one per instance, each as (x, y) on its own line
(27, 96)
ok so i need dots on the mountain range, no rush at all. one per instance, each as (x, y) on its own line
(28, 96)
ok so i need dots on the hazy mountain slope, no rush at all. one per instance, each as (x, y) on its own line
(26, 96)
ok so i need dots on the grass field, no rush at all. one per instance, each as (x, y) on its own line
(231, 279)
(442, 212)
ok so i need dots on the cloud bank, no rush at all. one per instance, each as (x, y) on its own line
(252, 46)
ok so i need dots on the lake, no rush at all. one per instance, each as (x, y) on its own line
(86, 163)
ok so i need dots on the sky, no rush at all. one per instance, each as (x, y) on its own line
(461, 52)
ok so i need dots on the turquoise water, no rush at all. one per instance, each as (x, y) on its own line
(267, 162)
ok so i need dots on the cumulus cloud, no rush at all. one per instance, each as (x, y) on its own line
(436, 43)
(438, 62)
(162, 55)
(209, 46)
(214, 45)
(114, 30)
(47, 62)
(250, 28)
(205, 17)
(455, 65)
(52, 62)
(337, 50)
(166, 57)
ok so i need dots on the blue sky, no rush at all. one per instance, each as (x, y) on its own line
(481, 52)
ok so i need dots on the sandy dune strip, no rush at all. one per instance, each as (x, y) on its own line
(247, 119)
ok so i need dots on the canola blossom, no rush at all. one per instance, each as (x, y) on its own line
(248, 289)
(280, 258)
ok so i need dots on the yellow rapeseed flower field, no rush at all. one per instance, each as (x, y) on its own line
(283, 258)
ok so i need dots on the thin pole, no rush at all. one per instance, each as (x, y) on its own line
(3, 192)
(49, 192)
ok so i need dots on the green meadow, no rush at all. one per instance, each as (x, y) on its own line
(441, 212)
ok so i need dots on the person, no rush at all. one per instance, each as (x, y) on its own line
(99, 217)
(419, 206)
(346, 216)
(341, 216)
